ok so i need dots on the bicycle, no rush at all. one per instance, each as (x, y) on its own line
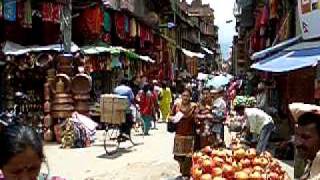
(113, 138)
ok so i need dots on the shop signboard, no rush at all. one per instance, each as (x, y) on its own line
(309, 12)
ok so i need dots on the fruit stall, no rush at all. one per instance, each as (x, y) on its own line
(236, 164)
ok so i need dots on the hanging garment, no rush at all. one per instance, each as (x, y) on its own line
(1, 9)
(120, 25)
(24, 14)
(107, 22)
(265, 15)
(127, 24)
(51, 12)
(10, 10)
(133, 28)
(93, 20)
(274, 4)
(115, 61)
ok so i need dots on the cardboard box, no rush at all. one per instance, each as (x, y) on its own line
(113, 108)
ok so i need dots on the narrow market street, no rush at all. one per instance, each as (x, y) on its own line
(152, 160)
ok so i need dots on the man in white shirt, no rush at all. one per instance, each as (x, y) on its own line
(261, 124)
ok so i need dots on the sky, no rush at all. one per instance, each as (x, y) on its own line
(223, 11)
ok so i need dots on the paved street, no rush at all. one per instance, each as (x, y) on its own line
(152, 160)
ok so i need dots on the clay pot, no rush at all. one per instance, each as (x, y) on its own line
(82, 97)
(61, 114)
(62, 107)
(47, 91)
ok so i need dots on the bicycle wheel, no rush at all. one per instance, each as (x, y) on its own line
(111, 141)
(137, 132)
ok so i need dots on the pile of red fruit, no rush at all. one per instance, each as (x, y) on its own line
(237, 164)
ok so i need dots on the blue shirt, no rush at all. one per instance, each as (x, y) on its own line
(124, 90)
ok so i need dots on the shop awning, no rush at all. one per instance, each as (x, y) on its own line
(207, 50)
(290, 59)
(11, 48)
(192, 54)
(147, 59)
(279, 47)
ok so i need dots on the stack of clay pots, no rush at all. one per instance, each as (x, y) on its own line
(81, 87)
(64, 64)
(62, 105)
(47, 121)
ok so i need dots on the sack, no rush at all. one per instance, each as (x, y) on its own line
(171, 127)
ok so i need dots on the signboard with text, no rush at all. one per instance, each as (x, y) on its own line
(309, 12)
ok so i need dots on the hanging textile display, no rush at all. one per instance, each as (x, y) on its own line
(1, 9)
(133, 27)
(51, 12)
(24, 14)
(92, 22)
(120, 25)
(107, 23)
(115, 61)
(10, 10)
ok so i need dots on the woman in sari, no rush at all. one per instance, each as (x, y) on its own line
(185, 132)
(204, 123)
(165, 98)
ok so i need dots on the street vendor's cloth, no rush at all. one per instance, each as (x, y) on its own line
(257, 119)
(312, 170)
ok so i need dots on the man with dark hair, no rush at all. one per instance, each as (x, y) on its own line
(308, 143)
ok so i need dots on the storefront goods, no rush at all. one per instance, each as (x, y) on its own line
(237, 164)
(244, 101)
(113, 108)
(63, 103)
(64, 64)
(51, 12)
(10, 10)
(81, 84)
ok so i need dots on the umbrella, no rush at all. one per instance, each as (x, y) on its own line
(218, 81)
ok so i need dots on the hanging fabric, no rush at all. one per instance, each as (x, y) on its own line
(1, 9)
(133, 27)
(51, 12)
(127, 24)
(107, 21)
(274, 4)
(10, 10)
(24, 14)
(120, 25)
(92, 21)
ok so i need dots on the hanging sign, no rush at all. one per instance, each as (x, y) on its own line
(309, 12)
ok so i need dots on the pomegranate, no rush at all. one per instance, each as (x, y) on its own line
(206, 177)
(258, 169)
(241, 175)
(273, 176)
(240, 153)
(196, 172)
(217, 161)
(216, 172)
(245, 162)
(256, 176)
(251, 153)
(207, 166)
(264, 162)
(228, 171)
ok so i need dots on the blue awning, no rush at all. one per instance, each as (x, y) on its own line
(274, 49)
(292, 58)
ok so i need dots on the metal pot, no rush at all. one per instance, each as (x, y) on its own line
(81, 84)
(80, 97)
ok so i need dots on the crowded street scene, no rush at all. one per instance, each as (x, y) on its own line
(160, 90)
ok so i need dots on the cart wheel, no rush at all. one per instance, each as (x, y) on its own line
(111, 141)
(137, 133)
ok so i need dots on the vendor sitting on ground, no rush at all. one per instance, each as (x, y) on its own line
(258, 123)
(307, 138)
